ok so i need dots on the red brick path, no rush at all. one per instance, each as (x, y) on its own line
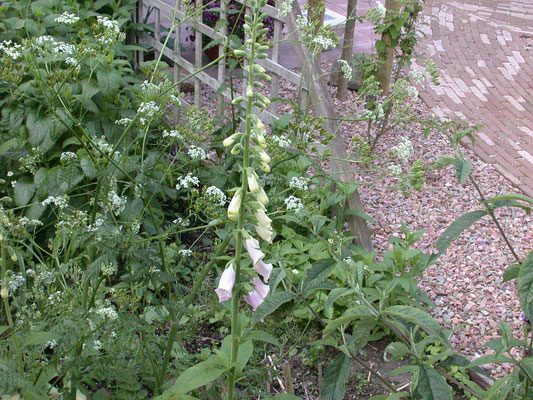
(486, 77)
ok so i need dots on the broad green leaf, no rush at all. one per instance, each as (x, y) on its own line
(490, 359)
(196, 376)
(285, 396)
(462, 169)
(392, 396)
(335, 378)
(37, 338)
(324, 284)
(396, 350)
(262, 336)
(511, 272)
(337, 293)
(432, 385)
(24, 190)
(525, 286)
(527, 366)
(511, 196)
(454, 230)
(272, 303)
(415, 316)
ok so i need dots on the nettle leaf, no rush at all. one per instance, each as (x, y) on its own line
(454, 230)
(24, 190)
(39, 129)
(319, 270)
(525, 286)
(432, 385)
(462, 169)
(272, 303)
(335, 378)
(58, 180)
(108, 81)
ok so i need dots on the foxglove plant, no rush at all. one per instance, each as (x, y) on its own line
(249, 200)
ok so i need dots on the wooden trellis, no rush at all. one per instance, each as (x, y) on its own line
(310, 79)
(161, 14)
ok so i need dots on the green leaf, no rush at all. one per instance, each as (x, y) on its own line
(319, 270)
(262, 336)
(108, 81)
(443, 161)
(196, 376)
(490, 359)
(335, 378)
(525, 286)
(511, 272)
(511, 196)
(462, 169)
(415, 316)
(272, 303)
(396, 350)
(454, 230)
(37, 338)
(285, 396)
(24, 190)
(432, 385)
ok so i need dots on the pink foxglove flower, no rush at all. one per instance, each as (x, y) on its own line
(225, 285)
(256, 296)
(262, 268)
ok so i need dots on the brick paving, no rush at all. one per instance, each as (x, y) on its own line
(486, 77)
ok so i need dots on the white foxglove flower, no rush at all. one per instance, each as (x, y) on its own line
(225, 284)
(234, 206)
(252, 182)
(262, 218)
(262, 196)
(264, 232)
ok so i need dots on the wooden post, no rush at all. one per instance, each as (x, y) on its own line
(323, 105)
(387, 57)
(316, 10)
(347, 48)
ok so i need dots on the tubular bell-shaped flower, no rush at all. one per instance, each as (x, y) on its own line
(225, 284)
(235, 205)
(262, 268)
(256, 296)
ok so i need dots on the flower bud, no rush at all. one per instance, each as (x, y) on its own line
(264, 166)
(239, 53)
(262, 218)
(252, 182)
(237, 100)
(228, 141)
(4, 292)
(13, 256)
(260, 139)
(264, 157)
(235, 205)
(236, 149)
(249, 91)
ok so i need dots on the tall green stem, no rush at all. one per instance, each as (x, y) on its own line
(235, 329)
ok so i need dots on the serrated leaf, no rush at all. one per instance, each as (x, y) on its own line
(319, 270)
(525, 286)
(432, 385)
(272, 303)
(490, 359)
(24, 190)
(335, 378)
(415, 316)
(462, 169)
(108, 81)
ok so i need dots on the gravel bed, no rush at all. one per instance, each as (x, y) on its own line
(466, 283)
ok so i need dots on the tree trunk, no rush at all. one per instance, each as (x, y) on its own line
(324, 106)
(347, 48)
(387, 58)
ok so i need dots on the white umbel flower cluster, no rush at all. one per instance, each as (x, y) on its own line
(10, 49)
(345, 69)
(197, 153)
(215, 194)
(293, 203)
(67, 19)
(284, 8)
(148, 110)
(299, 183)
(185, 182)
(404, 150)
